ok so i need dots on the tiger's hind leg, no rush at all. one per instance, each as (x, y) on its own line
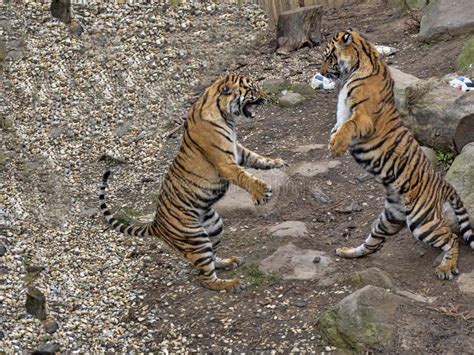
(434, 231)
(390, 222)
(203, 259)
(213, 225)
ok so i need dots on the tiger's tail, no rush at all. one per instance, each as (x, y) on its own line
(463, 218)
(130, 230)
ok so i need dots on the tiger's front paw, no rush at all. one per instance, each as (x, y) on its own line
(279, 163)
(262, 193)
(339, 142)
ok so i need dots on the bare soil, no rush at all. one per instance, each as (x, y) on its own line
(273, 314)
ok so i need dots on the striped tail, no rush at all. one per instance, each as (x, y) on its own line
(462, 218)
(136, 231)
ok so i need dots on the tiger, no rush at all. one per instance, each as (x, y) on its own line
(369, 125)
(209, 159)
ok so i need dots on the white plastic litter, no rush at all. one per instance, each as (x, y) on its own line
(385, 50)
(462, 83)
(319, 81)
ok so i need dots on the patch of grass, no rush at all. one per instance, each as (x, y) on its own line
(176, 3)
(258, 278)
(445, 157)
(131, 212)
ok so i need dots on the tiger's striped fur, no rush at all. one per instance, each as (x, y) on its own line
(210, 158)
(369, 125)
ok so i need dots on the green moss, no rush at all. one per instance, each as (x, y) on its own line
(257, 278)
(132, 212)
(466, 57)
(3, 51)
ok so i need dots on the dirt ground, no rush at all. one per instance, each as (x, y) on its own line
(273, 314)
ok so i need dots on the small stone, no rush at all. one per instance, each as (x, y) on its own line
(316, 259)
(34, 268)
(300, 303)
(320, 196)
(50, 325)
(2, 335)
(289, 229)
(3, 249)
(36, 303)
(47, 349)
(364, 177)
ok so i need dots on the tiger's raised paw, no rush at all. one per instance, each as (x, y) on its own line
(339, 143)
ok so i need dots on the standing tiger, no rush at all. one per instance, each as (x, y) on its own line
(369, 125)
(209, 159)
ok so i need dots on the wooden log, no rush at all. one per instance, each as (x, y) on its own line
(299, 27)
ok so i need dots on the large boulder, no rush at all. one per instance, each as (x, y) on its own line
(372, 276)
(362, 321)
(461, 176)
(440, 116)
(446, 18)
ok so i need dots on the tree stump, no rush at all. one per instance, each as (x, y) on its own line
(299, 27)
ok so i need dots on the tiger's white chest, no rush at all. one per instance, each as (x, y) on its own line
(233, 136)
(343, 110)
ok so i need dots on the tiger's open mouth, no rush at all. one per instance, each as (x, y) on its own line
(250, 107)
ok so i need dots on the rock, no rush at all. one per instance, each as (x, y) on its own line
(303, 89)
(275, 86)
(308, 148)
(461, 176)
(431, 155)
(320, 196)
(446, 18)
(290, 99)
(363, 320)
(238, 200)
(3, 249)
(466, 284)
(311, 169)
(372, 276)
(289, 229)
(50, 325)
(299, 27)
(466, 57)
(440, 116)
(293, 263)
(36, 303)
(402, 81)
(353, 207)
(415, 297)
(61, 9)
(47, 349)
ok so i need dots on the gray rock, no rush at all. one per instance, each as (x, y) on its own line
(446, 18)
(36, 303)
(402, 81)
(3, 249)
(461, 176)
(466, 284)
(310, 169)
(320, 196)
(372, 276)
(431, 155)
(363, 320)
(290, 99)
(50, 325)
(47, 349)
(238, 200)
(353, 207)
(289, 229)
(293, 263)
(275, 86)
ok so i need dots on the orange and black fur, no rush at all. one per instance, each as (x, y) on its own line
(210, 158)
(369, 125)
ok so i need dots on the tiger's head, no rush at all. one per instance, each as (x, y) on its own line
(239, 96)
(343, 54)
